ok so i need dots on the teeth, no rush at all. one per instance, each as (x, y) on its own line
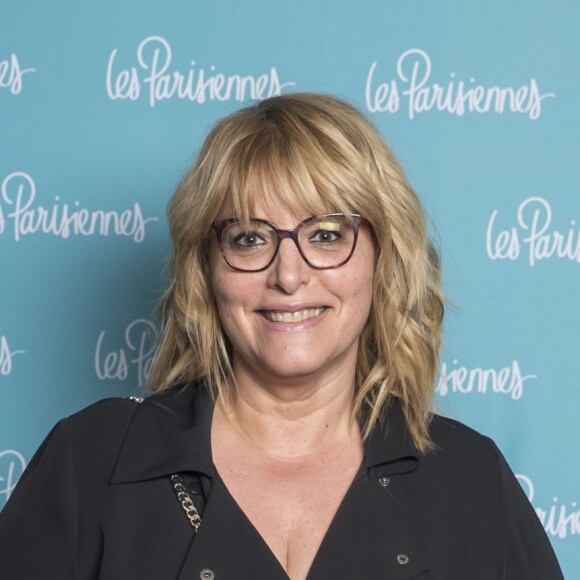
(298, 316)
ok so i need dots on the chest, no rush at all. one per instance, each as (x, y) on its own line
(291, 504)
(147, 535)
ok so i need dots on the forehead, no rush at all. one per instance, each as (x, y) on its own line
(270, 188)
(280, 214)
(279, 205)
(275, 181)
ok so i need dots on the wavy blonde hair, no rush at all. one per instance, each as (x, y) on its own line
(319, 154)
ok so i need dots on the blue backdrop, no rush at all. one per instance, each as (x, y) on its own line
(104, 104)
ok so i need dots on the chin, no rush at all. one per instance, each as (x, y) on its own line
(299, 367)
(296, 364)
(292, 371)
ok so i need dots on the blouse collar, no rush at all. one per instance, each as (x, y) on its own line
(171, 433)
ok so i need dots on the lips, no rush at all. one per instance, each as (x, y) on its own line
(294, 316)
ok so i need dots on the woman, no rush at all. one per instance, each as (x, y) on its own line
(292, 390)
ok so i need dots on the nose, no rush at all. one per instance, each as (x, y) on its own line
(289, 271)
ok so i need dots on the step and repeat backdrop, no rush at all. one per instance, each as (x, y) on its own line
(104, 104)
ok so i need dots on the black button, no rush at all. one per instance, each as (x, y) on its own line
(194, 487)
(384, 481)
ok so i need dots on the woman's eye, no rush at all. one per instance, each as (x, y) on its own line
(248, 240)
(325, 236)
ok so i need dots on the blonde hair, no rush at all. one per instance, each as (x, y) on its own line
(319, 154)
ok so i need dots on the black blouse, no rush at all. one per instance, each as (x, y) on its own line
(96, 502)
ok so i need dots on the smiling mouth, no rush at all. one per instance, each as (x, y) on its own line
(298, 316)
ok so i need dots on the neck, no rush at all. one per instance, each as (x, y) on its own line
(293, 419)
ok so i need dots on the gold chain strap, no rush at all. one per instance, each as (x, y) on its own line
(185, 501)
(180, 490)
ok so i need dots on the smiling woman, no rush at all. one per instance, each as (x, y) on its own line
(291, 408)
(308, 155)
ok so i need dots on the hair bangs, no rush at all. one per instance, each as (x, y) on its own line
(274, 169)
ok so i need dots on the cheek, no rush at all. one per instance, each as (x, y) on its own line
(220, 278)
(225, 307)
(362, 277)
(363, 300)
(367, 275)
(354, 291)
(220, 288)
(224, 297)
(234, 295)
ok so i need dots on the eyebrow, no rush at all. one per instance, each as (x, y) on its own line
(331, 225)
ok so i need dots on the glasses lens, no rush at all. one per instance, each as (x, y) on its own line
(327, 241)
(248, 247)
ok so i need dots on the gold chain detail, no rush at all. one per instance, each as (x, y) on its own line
(186, 502)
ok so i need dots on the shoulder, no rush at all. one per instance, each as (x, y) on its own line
(451, 437)
(113, 414)
(468, 471)
(472, 465)
(109, 419)
(100, 421)
(87, 444)
(105, 426)
(113, 408)
(96, 431)
(464, 454)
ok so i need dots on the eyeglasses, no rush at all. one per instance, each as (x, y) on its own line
(326, 241)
